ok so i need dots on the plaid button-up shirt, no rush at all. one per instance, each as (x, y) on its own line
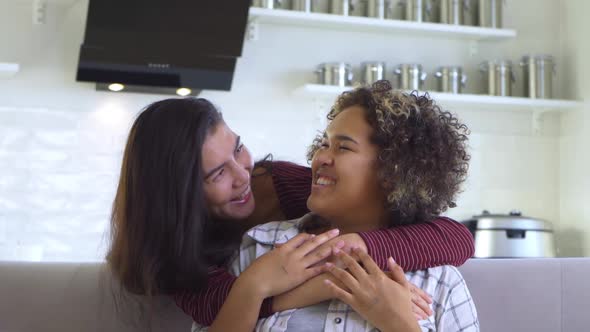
(453, 306)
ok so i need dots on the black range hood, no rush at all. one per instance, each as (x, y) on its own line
(163, 44)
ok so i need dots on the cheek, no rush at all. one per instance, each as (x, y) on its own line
(218, 193)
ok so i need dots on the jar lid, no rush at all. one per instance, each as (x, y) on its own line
(514, 220)
(538, 57)
(327, 65)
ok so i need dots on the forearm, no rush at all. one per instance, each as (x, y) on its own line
(204, 306)
(244, 300)
(309, 293)
(420, 246)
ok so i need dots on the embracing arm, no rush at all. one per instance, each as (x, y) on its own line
(203, 306)
(442, 241)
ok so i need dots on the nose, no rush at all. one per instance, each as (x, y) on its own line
(242, 175)
(323, 157)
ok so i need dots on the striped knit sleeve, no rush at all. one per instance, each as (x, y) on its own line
(442, 241)
(203, 306)
(292, 183)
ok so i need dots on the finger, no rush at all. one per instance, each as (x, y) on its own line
(317, 241)
(368, 262)
(422, 294)
(353, 266)
(421, 306)
(278, 245)
(418, 312)
(339, 293)
(314, 271)
(345, 277)
(317, 256)
(397, 274)
(327, 247)
(296, 242)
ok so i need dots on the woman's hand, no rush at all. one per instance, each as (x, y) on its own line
(383, 301)
(289, 265)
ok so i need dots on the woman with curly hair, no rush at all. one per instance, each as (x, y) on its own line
(386, 158)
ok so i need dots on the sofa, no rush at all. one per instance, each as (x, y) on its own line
(538, 295)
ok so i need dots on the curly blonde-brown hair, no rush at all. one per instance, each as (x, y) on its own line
(423, 158)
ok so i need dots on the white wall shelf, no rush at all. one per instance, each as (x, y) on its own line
(8, 70)
(324, 95)
(353, 23)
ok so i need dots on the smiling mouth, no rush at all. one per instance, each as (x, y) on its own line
(324, 181)
(244, 197)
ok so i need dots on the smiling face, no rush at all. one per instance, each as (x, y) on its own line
(227, 166)
(345, 187)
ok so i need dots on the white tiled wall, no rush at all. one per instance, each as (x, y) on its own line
(61, 141)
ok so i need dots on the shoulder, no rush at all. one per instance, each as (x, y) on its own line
(289, 168)
(275, 231)
(438, 281)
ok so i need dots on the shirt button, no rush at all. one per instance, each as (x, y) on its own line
(337, 320)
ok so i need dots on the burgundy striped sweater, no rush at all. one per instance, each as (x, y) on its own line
(442, 241)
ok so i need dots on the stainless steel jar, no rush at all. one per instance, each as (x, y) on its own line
(301, 5)
(372, 71)
(340, 7)
(335, 73)
(410, 76)
(377, 8)
(490, 13)
(453, 11)
(537, 75)
(268, 4)
(451, 79)
(417, 10)
(498, 77)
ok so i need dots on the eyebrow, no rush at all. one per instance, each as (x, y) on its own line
(342, 138)
(213, 171)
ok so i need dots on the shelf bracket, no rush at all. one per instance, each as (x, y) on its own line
(252, 30)
(537, 121)
(473, 48)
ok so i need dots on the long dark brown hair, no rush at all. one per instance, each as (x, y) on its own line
(162, 237)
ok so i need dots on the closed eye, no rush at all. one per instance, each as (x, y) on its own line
(219, 175)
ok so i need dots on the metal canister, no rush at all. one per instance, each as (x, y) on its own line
(453, 11)
(490, 13)
(335, 73)
(415, 10)
(372, 71)
(268, 4)
(340, 7)
(410, 76)
(451, 79)
(301, 5)
(377, 8)
(537, 75)
(499, 77)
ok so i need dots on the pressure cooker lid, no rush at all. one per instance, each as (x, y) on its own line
(513, 220)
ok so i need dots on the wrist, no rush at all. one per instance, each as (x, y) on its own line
(249, 285)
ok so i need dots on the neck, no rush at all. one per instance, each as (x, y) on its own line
(363, 221)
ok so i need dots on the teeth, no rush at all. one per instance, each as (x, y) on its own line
(324, 181)
(243, 195)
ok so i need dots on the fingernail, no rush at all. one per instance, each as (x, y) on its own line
(312, 235)
(329, 265)
(392, 260)
(334, 231)
(336, 250)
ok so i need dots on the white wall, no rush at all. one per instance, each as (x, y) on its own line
(61, 141)
(575, 134)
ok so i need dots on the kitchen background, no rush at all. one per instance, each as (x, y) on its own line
(61, 141)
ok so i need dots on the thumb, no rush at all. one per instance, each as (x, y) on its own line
(397, 273)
